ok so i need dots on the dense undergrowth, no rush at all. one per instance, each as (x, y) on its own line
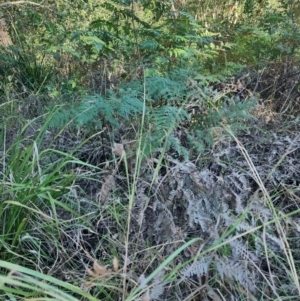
(150, 150)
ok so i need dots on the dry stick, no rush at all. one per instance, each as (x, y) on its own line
(4, 151)
(21, 2)
(193, 293)
(288, 151)
(261, 185)
(287, 98)
(132, 192)
(268, 262)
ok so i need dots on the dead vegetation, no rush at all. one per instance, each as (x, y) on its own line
(218, 197)
(239, 198)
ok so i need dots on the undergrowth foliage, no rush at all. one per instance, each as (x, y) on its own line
(162, 204)
(220, 204)
(168, 102)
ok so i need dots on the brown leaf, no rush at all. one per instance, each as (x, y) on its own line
(100, 270)
(116, 264)
(105, 192)
(91, 273)
(118, 149)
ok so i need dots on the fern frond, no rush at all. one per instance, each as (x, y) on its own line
(61, 118)
(158, 286)
(200, 267)
(236, 271)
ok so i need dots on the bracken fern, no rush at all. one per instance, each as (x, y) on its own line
(168, 102)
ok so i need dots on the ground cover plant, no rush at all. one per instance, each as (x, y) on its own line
(149, 150)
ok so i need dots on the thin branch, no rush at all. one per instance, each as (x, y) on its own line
(21, 2)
